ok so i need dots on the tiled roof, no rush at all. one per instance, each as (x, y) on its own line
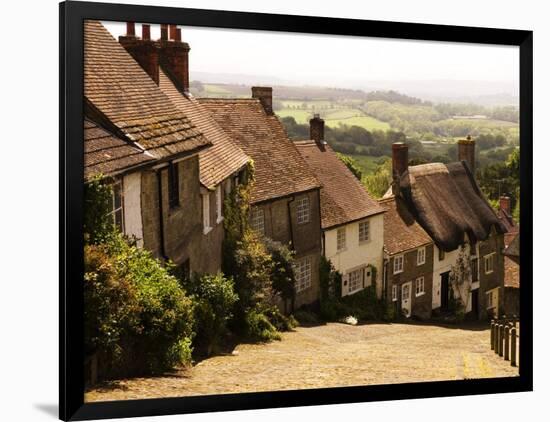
(224, 157)
(107, 154)
(507, 221)
(120, 90)
(447, 202)
(401, 231)
(279, 168)
(511, 273)
(512, 248)
(343, 198)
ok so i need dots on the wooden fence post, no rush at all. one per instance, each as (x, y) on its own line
(507, 342)
(513, 359)
(500, 339)
(493, 325)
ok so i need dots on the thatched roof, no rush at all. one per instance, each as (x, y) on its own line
(448, 204)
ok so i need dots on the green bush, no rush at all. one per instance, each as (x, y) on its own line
(137, 317)
(278, 320)
(259, 328)
(97, 222)
(214, 297)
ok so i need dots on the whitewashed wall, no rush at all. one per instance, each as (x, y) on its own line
(356, 255)
(132, 206)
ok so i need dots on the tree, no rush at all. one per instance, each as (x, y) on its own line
(378, 183)
(460, 278)
(351, 164)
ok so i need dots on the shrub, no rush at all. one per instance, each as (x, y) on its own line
(137, 317)
(214, 298)
(278, 320)
(97, 223)
(282, 272)
(259, 328)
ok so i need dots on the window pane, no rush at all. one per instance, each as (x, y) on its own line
(302, 210)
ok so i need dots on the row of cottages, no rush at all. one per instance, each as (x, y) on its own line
(173, 158)
(170, 164)
(352, 222)
(441, 211)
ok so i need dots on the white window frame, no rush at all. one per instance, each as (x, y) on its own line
(219, 204)
(206, 227)
(117, 186)
(257, 220)
(394, 290)
(490, 299)
(398, 263)
(341, 239)
(421, 256)
(489, 263)
(419, 286)
(302, 210)
(356, 277)
(302, 274)
(364, 234)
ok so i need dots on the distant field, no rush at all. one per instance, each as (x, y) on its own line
(368, 163)
(334, 116)
(367, 122)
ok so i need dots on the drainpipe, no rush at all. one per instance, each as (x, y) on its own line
(161, 217)
(290, 222)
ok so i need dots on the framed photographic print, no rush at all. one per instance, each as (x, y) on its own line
(266, 210)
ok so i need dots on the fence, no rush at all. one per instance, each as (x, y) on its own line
(505, 339)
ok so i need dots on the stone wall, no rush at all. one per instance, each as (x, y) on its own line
(421, 306)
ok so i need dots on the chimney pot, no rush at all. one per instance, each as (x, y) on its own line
(265, 95)
(163, 31)
(317, 129)
(467, 152)
(400, 164)
(173, 30)
(504, 203)
(145, 32)
(130, 29)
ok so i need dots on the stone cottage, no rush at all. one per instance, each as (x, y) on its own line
(447, 203)
(219, 165)
(352, 222)
(285, 195)
(408, 261)
(149, 148)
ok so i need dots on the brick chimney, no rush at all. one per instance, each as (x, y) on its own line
(174, 56)
(265, 95)
(142, 50)
(467, 152)
(317, 129)
(400, 164)
(504, 204)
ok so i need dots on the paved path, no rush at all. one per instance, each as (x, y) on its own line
(329, 356)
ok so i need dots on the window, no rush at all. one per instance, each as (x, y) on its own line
(302, 210)
(206, 213)
(474, 267)
(173, 185)
(489, 261)
(219, 203)
(257, 220)
(355, 280)
(419, 286)
(394, 293)
(341, 239)
(441, 255)
(364, 231)
(398, 264)
(302, 274)
(421, 256)
(118, 211)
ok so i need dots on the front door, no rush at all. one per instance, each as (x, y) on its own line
(475, 303)
(406, 298)
(445, 291)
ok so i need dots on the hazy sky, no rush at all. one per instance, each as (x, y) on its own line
(341, 60)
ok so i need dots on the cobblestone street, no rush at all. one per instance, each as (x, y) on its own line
(329, 356)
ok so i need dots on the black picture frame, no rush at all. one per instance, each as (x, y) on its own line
(71, 183)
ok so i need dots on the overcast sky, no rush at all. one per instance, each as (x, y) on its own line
(341, 61)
